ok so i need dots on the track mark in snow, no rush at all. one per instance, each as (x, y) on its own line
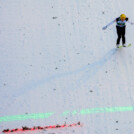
(88, 71)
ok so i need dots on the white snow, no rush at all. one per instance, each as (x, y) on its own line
(55, 57)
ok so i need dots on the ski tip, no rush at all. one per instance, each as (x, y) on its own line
(129, 45)
(126, 46)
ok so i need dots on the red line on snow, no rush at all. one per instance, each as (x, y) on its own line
(39, 128)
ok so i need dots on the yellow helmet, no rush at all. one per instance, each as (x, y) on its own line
(123, 16)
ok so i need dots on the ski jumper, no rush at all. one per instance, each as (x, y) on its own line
(120, 27)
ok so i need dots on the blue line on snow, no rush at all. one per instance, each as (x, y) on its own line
(89, 70)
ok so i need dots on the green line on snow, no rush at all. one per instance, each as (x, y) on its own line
(104, 110)
(74, 112)
(25, 117)
(82, 112)
(65, 113)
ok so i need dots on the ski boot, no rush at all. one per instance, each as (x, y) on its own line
(117, 45)
(123, 45)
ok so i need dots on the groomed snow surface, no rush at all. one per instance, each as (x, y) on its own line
(55, 58)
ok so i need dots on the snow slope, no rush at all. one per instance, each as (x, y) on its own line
(55, 57)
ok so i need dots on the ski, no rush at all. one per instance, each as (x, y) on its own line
(126, 46)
